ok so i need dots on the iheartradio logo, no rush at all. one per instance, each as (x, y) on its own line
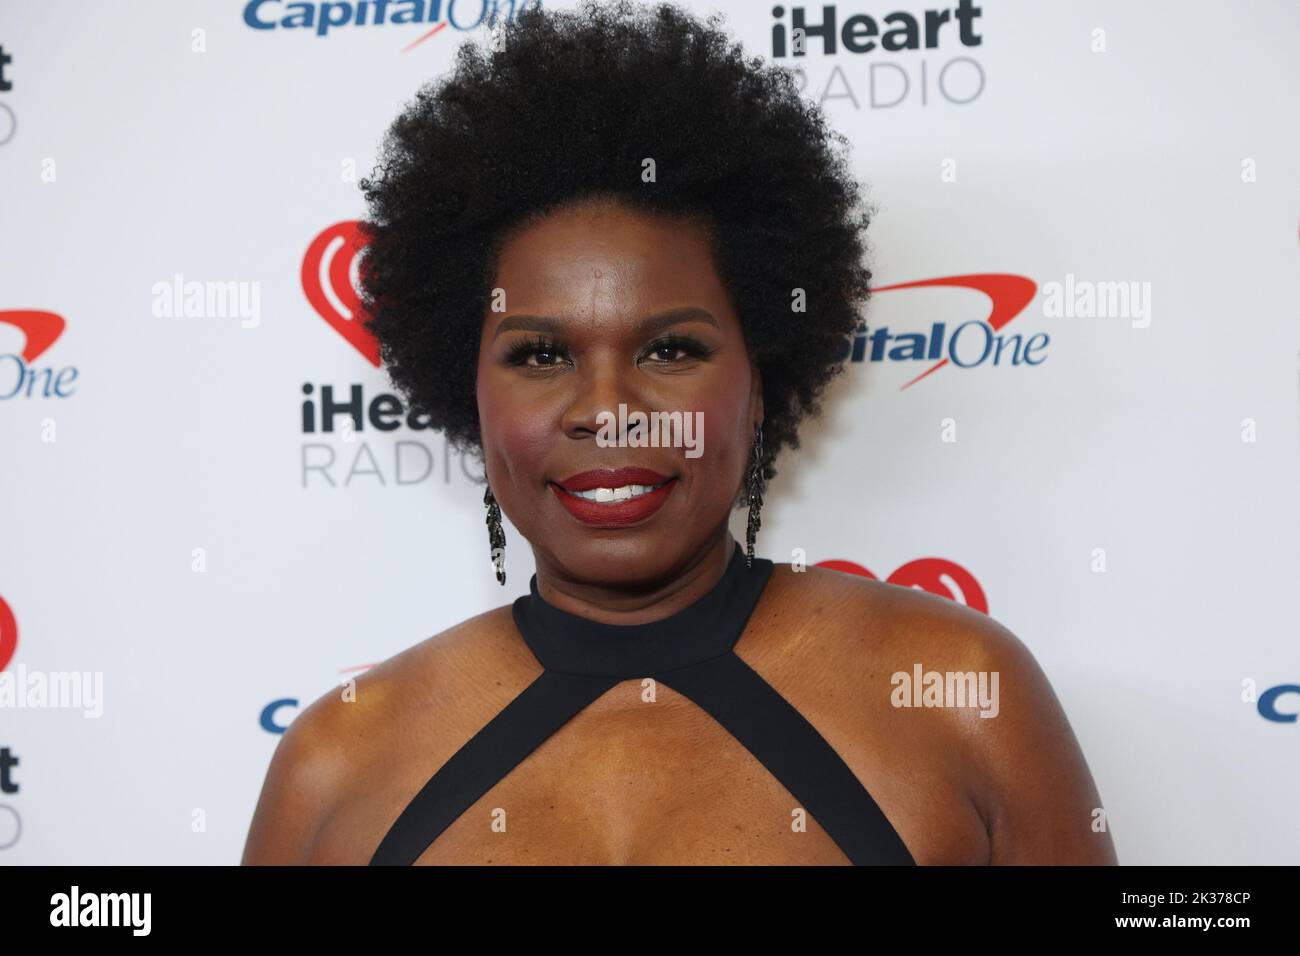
(8, 634)
(330, 279)
(935, 575)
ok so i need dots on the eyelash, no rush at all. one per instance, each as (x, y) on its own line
(521, 350)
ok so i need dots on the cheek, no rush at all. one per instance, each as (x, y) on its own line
(728, 434)
(516, 434)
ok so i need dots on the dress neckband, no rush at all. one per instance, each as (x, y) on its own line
(707, 628)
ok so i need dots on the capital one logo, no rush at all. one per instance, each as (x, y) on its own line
(972, 343)
(8, 634)
(19, 376)
(329, 280)
(322, 17)
(936, 575)
(1268, 703)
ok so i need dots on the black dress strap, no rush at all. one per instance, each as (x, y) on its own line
(792, 750)
(523, 725)
(693, 653)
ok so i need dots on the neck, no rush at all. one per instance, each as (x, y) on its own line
(643, 601)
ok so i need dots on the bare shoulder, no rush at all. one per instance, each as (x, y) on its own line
(861, 618)
(975, 690)
(349, 737)
(890, 626)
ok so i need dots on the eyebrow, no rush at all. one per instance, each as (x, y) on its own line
(647, 326)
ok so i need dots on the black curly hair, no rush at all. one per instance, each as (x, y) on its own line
(567, 106)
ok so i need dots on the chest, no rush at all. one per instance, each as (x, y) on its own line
(645, 777)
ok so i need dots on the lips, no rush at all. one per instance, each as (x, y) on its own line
(613, 514)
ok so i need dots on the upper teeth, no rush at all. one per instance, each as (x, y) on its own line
(621, 493)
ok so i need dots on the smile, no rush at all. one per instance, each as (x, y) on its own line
(601, 500)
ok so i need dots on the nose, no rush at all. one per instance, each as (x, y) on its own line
(600, 386)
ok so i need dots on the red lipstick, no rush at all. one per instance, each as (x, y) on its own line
(613, 514)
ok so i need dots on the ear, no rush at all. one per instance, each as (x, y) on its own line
(755, 393)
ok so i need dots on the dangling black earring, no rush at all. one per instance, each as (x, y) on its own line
(754, 492)
(496, 534)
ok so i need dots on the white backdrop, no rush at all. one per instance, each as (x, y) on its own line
(1126, 503)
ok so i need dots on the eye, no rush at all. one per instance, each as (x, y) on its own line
(665, 349)
(547, 350)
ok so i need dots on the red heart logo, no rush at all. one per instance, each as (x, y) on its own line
(935, 575)
(8, 634)
(327, 282)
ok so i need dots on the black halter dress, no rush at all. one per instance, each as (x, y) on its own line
(691, 652)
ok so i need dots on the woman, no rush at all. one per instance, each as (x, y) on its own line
(615, 208)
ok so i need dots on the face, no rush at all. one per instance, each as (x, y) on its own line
(607, 306)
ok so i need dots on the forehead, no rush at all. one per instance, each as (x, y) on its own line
(603, 255)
